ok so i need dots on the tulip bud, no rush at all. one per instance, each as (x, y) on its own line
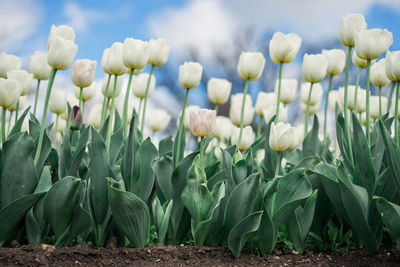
(139, 84)
(270, 111)
(75, 118)
(190, 75)
(350, 24)
(186, 119)
(371, 44)
(378, 74)
(135, 53)
(223, 127)
(283, 48)
(314, 68)
(158, 52)
(364, 119)
(392, 65)
(202, 122)
(334, 97)
(23, 77)
(63, 31)
(313, 109)
(72, 101)
(120, 82)
(336, 61)
(158, 120)
(316, 93)
(251, 65)
(7, 63)
(218, 90)
(288, 90)
(94, 117)
(87, 92)
(236, 108)
(248, 137)
(114, 59)
(58, 101)
(359, 62)
(38, 66)
(281, 136)
(374, 106)
(104, 61)
(9, 92)
(264, 100)
(61, 53)
(82, 73)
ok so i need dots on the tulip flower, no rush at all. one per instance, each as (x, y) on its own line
(61, 53)
(377, 105)
(8, 63)
(218, 91)
(9, 96)
(312, 98)
(313, 109)
(40, 69)
(361, 105)
(333, 99)
(63, 31)
(58, 102)
(190, 75)
(88, 93)
(120, 82)
(364, 119)
(288, 90)
(82, 75)
(75, 118)
(269, 112)
(392, 69)
(280, 139)
(223, 128)
(297, 139)
(378, 77)
(21, 104)
(351, 24)
(159, 120)
(158, 52)
(235, 110)
(186, 120)
(139, 85)
(59, 126)
(94, 117)
(24, 79)
(264, 100)
(283, 48)
(247, 140)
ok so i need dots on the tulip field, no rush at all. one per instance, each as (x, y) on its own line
(248, 181)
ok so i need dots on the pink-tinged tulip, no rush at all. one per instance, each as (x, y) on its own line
(82, 73)
(202, 122)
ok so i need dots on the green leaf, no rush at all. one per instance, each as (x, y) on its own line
(45, 183)
(117, 140)
(240, 171)
(162, 231)
(33, 232)
(44, 153)
(342, 141)
(162, 168)
(165, 146)
(266, 234)
(179, 139)
(391, 217)
(269, 162)
(18, 125)
(65, 155)
(131, 215)
(242, 230)
(311, 143)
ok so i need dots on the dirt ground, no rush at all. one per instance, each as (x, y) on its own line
(83, 255)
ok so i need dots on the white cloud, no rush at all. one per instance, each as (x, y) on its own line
(79, 18)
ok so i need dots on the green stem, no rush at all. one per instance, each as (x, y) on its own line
(356, 90)
(367, 101)
(3, 125)
(278, 162)
(396, 116)
(380, 104)
(9, 122)
(126, 102)
(259, 126)
(180, 129)
(36, 97)
(110, 122)
(308, 110)
(80, 97)
(83, 107)
(216, 109)
(326, 105)
(278, 100)
(103, 110)
(346, 113)
(140, 107)
(43, 124)
(390, 96)
(56, 125)
(145, 98)
(16, 111)
(246, 87)
(202, 152)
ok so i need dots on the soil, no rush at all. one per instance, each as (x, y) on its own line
(83, 255)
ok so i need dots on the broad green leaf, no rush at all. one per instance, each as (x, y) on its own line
(391, 217)
(165, 146)
(162, 168)
(240, 171)
(32, 227)
(162, 232)
(65, 155)
(179, 142)
(269, 162)
(311, 143)
(117, 140)
(18, 125)
(266, 234)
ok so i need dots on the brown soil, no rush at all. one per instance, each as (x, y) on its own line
(82, 255)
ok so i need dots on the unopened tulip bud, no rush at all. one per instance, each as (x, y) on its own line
(75, 118)
(63, 31)
(236, 108)
(350, 24)
(264, 100)
(120, 82)
(202, 122)
(61, 53)
(378, 74)
(283, 48)
(139, 84)
(248, 137)
(38, 66)
(218, 90)
(23, 77)
(7, 63)
(281, 136)
(190, 75)
(58, 101)
(371, 44)
(87, 92)
(83, 71)
(9, 92)
(392, 65)
(288, 90)
(336, 61)
(135, 53)
(158, 120)
(158, 52)
(251, 65)
(316, 93)
(314, 68)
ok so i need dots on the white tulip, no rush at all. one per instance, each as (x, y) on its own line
(120, 82)
(288, 90)
(58, 101)
(364, 119)
(270, 111)
(190, 75)
(260, 155)
(114, 59)
(63, 31)
(361, 100)
(351, 90)
(87, 92)
(281, 136)
(186, 119)
(139, 84)
(371, 44)
(248, 137)
(251, 65)
(392, 65)
(283, 48)
(314, 68)
(316, 93)
(9, 92)
(218, 90)
(135, 53)
(7, 63)
(202, 122)
(298, 135)
(223, 127)
(158, 120)
(38, 66)
(61, 53)
(21, 104)
(378, 74)
(351, 24)
(264, 100)
(61, 124)
(334, 97)
(374, 106)
(94, 117)
(83, 71)
(336, 61)
(236, 109)
(158, 52)
(313, 109)
(104, 61)
(23, 77)
(359, 62)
